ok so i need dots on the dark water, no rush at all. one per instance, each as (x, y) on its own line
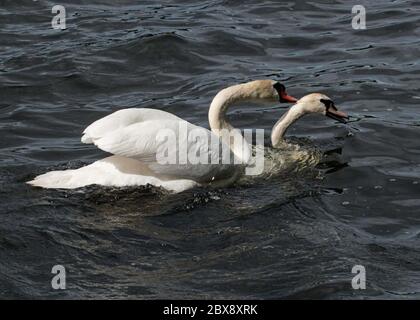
(293, 236)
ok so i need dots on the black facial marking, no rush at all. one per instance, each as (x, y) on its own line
(279, 87)
(328, 104)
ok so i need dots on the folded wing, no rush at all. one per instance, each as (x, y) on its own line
(166, 145)
(121, 119)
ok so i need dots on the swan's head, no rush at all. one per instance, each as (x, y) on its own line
(281, 94)
(269, 90)
(320, 103)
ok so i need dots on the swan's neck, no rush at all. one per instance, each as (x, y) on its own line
(280, 128)
(219, 123)
(256, 91)
(220, 104)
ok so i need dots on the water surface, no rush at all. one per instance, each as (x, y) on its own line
(296, 235)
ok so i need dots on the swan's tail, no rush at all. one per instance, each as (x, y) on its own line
(63, 179)
(112, 171)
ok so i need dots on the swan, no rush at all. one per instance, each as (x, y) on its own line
(314, 103)
(135, 138)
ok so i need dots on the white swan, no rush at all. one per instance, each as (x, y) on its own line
(311, 103)
(132, 135)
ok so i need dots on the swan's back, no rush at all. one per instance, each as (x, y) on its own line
(121, 119)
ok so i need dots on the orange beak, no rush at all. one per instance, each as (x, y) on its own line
(333, 113)
(284, 97)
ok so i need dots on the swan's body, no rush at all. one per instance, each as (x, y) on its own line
(133, 136)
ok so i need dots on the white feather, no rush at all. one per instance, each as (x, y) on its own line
(121, 119)
(132, 136)
(112, 171)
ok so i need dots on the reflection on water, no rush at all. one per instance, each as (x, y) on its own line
(352, 198)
